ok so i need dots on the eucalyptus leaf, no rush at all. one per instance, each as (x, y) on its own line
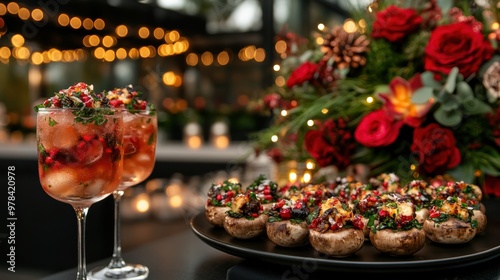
(475, 107)
(463, 172)
(451, 81)
(422, 95)
(449, 119)
(450, 103)
(464, 92)
(428, 80)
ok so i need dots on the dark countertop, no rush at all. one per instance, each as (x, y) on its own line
(178, 254)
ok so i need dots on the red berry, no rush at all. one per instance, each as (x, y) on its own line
(285, 213)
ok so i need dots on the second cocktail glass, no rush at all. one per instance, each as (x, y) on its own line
(139, 137)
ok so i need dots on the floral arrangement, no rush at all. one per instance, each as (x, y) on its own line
(411, 87)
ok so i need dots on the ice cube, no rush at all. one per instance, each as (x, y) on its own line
(61, 182)
(143, 158)
(90, 152)
(129, 148)
(94, 187)
(65, 137)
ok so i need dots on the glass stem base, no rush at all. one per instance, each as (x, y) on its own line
(117, 267)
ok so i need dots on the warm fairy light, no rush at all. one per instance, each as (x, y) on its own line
(173, 189)
(94, 40)
(324, 111)
(108, 41)
(109, 55)
(310, 164)
(192, 59)
(274, 138)
(310, 123)
(17, 40)
(280, 81)
(168, 78)
(121, 53)
(280, 46)
(121, 30)
(495, 25)
(143, 32)
(276, 67)
(223, 58)
(207, 58)
(21, 53)
(5, 52)
(99, 53)
(284, 113)
(133, 53)
(158, 33)
(350, 26)
(320, 40)
(307, 177)
(13, 8)
(321, 27)
(259, 55)
(173, 35)
(413, 167)
(175, 201)
(63, 19)
(37, 58)
(144, 52)
(478, 173)
(88, 24)
(75, 22)
(141, 203)
(99, 24)
(362, 23)
(292, 176)
(23, 14)
(194, 142)
(3, 9)
(221, 141)
(369, 99)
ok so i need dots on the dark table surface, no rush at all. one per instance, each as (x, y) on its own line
(182, 255)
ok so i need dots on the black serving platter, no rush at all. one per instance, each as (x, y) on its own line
(432, 257)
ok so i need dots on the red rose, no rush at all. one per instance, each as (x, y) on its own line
(319, 148)
(377, 129)
(394, 23)
(456, 45)
(331, 144)
(435, 148)
(305, 72)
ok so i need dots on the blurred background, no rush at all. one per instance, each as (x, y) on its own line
(201, 62)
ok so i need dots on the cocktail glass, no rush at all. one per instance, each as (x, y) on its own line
(140, 136)
(80, 160)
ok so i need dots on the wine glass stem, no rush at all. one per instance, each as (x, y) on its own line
(81, 216)
(117, 260)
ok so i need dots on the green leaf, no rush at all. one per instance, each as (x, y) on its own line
(451, 81)
(464, 92)
(463, 172)
(450, 103)
(476, 107)
(381, 89)
(428, 80)
(422, 95)
(449, 119)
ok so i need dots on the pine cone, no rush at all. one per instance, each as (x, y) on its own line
(347, 49)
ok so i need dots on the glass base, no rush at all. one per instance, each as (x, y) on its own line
(129, 272)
